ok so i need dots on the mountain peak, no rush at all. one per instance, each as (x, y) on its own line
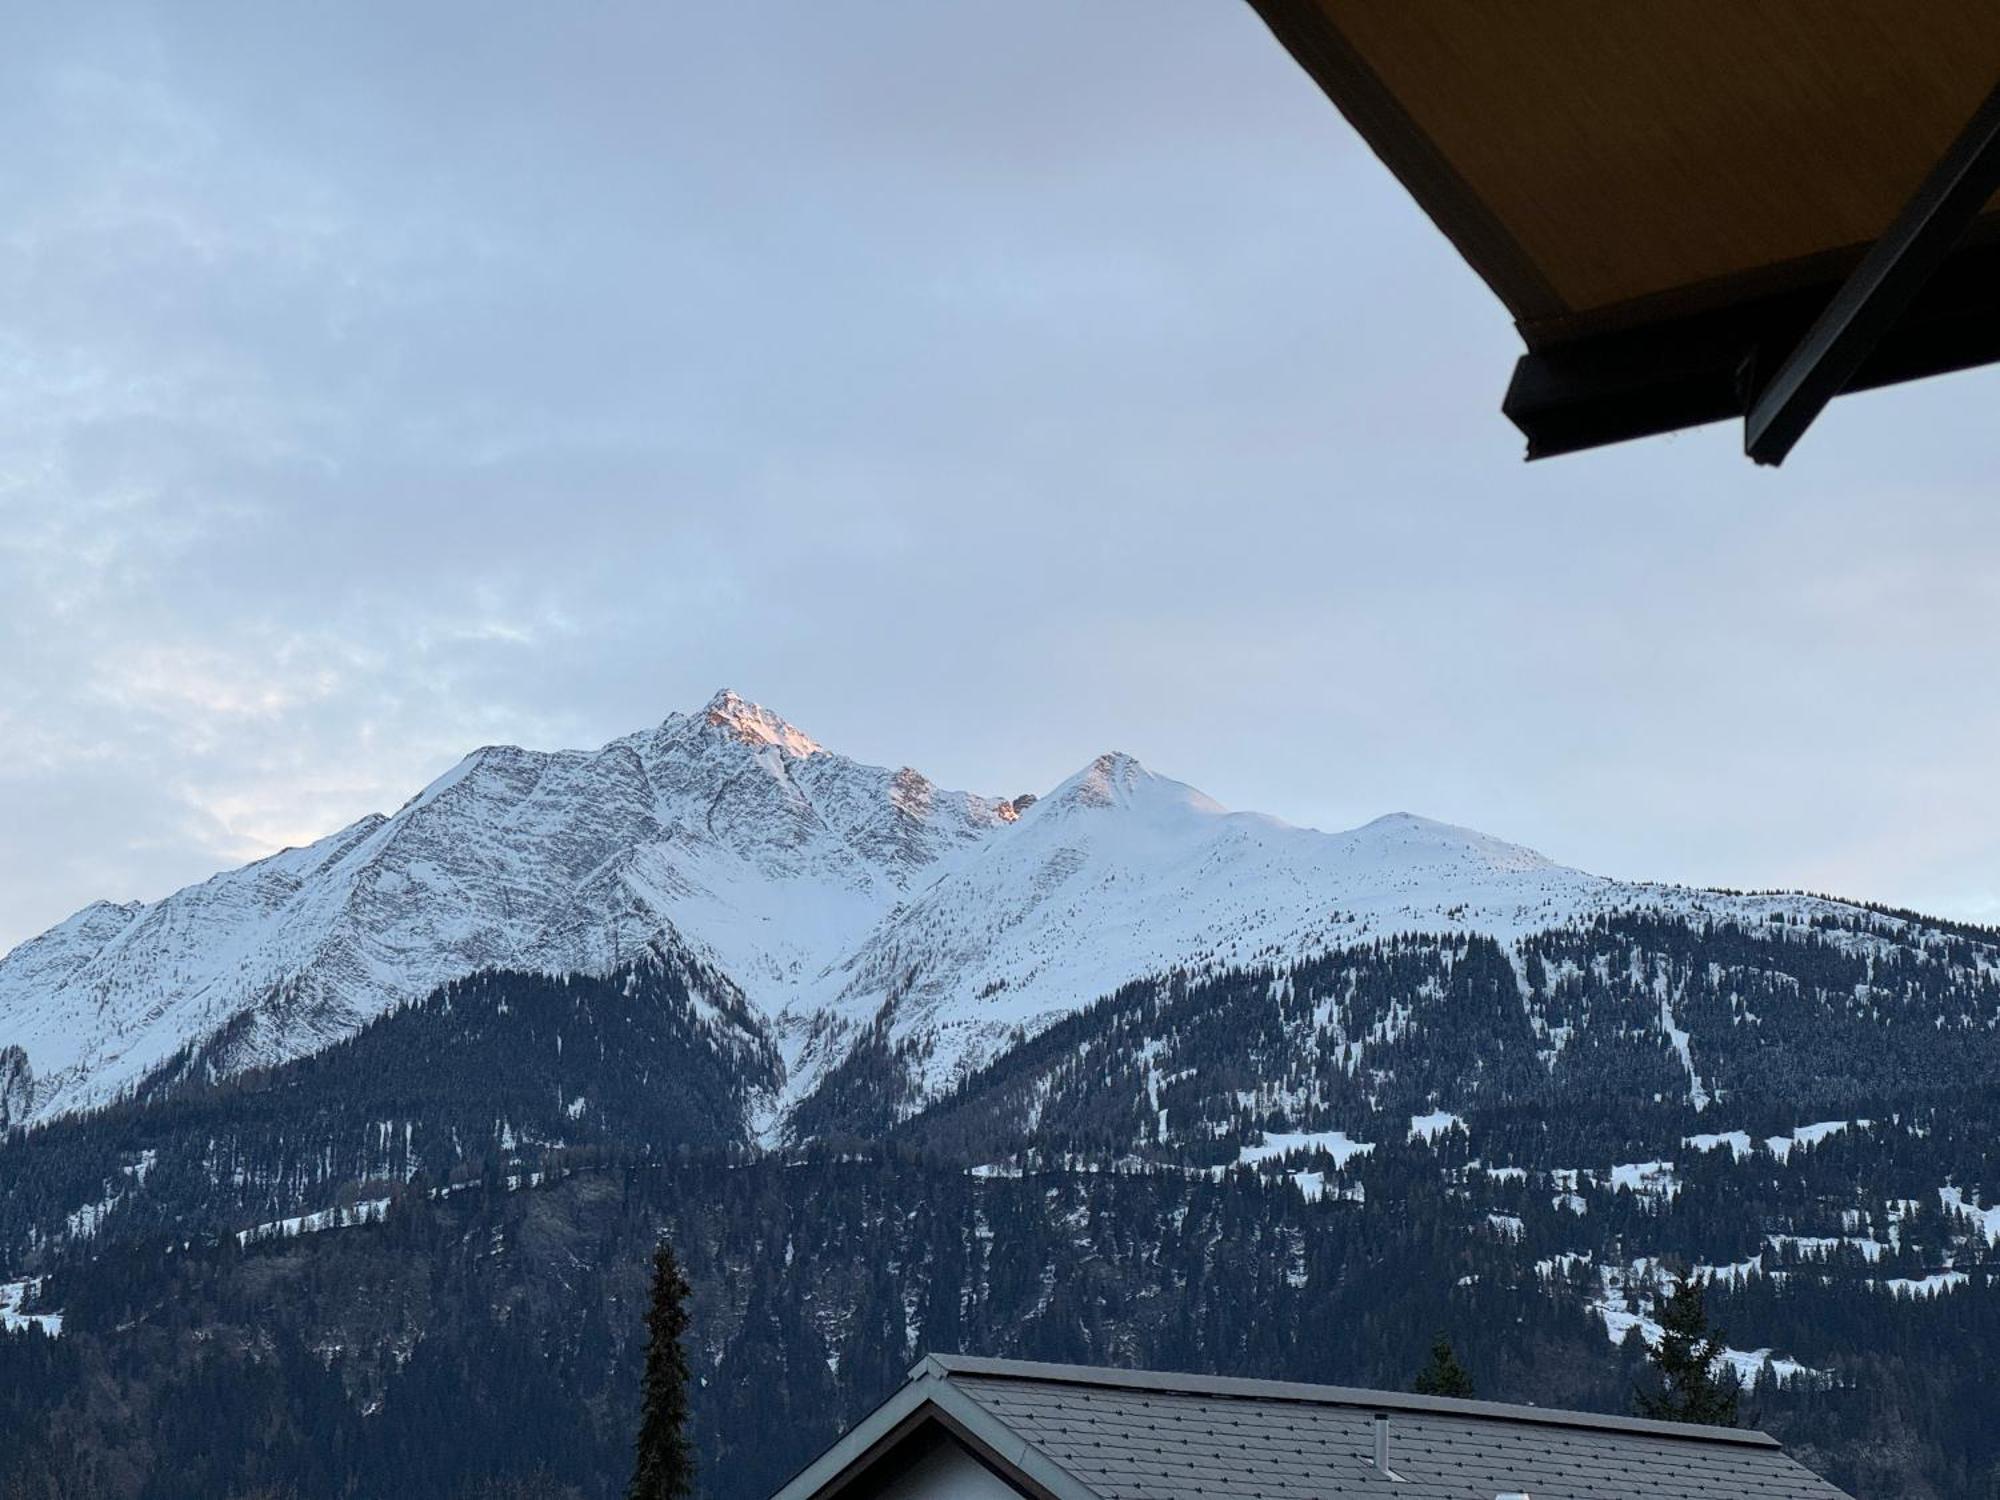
(1404, 836)
(1116, 779)
(754, 724)
(1105, 781)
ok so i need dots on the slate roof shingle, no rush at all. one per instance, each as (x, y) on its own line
(1132, 1435)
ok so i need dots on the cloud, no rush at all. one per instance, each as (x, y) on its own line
(981, 390)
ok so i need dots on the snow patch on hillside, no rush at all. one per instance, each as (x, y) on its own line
(1741, 1145)
(1985, 1220)
(367, 1211)
(1428, 1128)
(1738, 1142)
(1628, 1298)
(1334, 1143)
(1782, 1146)
(14, 1295)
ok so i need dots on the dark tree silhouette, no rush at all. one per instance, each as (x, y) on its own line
(1444, 1375)
(664, 1466)
(1690, 1390)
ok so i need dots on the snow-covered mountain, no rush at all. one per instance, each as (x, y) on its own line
(1120, 873)
(726, 833)
(827, 894)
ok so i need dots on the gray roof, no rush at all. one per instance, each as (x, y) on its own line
(1067, 1432)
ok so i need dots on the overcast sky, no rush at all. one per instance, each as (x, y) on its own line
(981, 385)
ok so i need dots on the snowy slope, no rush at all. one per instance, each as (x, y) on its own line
(1121, 873)
(829, 894)
(726, 832)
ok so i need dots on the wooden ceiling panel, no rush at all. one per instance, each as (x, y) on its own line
(1590, 157)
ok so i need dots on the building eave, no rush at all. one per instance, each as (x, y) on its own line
(929, 1403)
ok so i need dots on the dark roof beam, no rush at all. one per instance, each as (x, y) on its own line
(1881, 290)
(1661, 377)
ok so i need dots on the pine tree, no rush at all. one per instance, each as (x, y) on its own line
(664, 1467)
(1690, 1390)
(1444, 1375)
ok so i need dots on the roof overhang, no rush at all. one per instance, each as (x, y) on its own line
(1691, 208)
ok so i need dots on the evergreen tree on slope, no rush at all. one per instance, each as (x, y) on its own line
(1444, 1375)
(1690, 1390)
(664, 1466)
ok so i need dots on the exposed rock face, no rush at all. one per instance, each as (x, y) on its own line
(17, 1086)
(727, 828)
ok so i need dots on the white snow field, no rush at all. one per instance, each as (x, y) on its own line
(820, 889)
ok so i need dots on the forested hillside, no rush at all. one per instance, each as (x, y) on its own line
(493, 1333)
(421, 1252)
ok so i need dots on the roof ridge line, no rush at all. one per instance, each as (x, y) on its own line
(1242, 1388)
